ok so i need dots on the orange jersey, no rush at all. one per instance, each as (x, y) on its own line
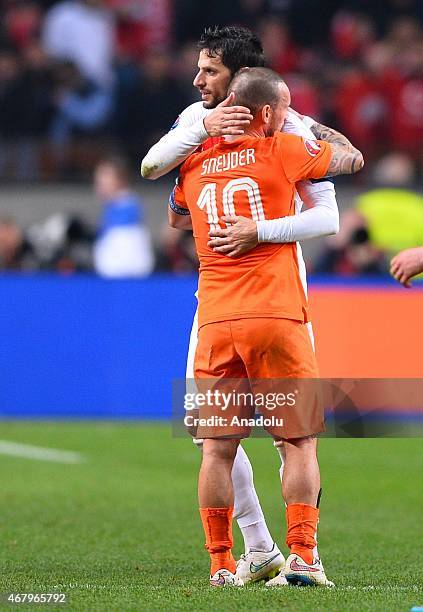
(252, 177)
(209, 143)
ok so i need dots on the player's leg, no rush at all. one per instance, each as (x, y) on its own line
(279, 443)
(286, 352)
(216, 362)
(247, 508)
(262, 558)
(301, 491)
(216, 501)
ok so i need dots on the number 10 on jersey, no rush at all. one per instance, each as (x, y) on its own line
(207, 200)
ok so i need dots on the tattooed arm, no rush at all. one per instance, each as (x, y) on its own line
(346, 159)
(322, 132)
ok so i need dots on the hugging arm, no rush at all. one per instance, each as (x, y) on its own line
(346, 159)
(193, 127)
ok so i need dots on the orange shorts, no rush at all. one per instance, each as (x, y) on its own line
(252, 357)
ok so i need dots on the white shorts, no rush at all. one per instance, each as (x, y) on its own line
(193, 341)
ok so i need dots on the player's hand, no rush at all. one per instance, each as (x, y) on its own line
(407, 264)
(237, 238)
(228, 120)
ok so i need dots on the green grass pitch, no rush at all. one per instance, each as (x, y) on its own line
(120, 531)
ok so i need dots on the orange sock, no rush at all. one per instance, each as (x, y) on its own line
(302, 527)
(217, 525)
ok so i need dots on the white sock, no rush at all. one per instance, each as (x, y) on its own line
(247, 509)
(257, 537)
(280, 451)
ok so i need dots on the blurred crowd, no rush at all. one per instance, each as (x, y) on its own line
(384, 219)
(81, 79)
(78, 77)
(119, 246)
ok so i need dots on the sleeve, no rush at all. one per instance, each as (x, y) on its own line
(321, 220)
(185, 136)
(177, 201)
(304, 158)
(301, 127)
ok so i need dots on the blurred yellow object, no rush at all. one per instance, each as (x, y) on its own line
(394, 218)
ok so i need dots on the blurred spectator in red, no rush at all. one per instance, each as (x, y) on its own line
(361, 110)
(282, 55)
(305, 97)
(352, 63)
(352, 34)
(22, 22)
(82, 31)
(359, 98)
(288, 59)
(404, 89)
(141, 26)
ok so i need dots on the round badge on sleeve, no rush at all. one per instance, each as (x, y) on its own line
(312, 147)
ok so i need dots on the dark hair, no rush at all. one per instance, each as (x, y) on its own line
(255, 87)
(237, 47)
